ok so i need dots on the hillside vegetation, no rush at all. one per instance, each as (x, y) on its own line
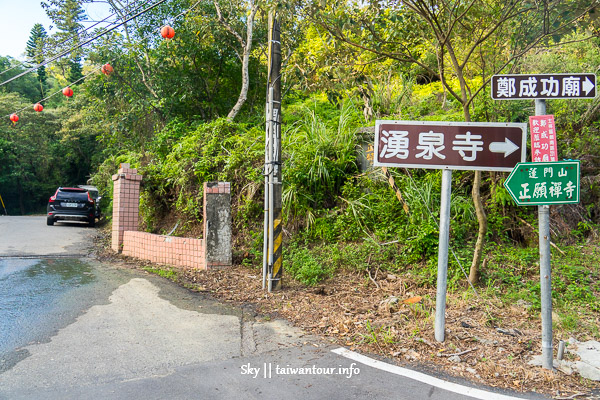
(346, 64)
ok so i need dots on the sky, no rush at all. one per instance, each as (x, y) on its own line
(17, 17)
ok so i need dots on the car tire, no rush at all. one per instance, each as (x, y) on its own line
(92, 222)
(49, 221)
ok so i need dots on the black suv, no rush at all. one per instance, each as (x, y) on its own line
(71, 204)
(95, 195)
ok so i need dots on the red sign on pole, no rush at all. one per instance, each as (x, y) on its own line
(543, 138)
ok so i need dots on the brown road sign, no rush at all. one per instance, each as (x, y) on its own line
(543, 86)
(450, 145)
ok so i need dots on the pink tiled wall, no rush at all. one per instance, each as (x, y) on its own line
(126, 199)
(186, 252)
(161, 249)
(220, 187)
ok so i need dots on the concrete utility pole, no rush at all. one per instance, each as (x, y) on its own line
(272, 263)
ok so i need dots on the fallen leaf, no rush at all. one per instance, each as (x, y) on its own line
(413, 300)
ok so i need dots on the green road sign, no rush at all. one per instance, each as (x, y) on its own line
(540, 183)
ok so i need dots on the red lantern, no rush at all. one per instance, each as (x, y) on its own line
(107, 69)
(67, 92)
(14, 118)
(38, 107)
(167, 32)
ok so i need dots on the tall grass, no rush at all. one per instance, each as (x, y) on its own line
(318, 159)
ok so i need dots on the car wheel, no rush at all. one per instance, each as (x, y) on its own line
(92, 222)
(49, 221)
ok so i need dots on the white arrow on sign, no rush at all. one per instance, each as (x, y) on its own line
(587, 85)
(507, 147)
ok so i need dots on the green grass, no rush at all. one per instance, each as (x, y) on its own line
(164, 271)
(514, 275)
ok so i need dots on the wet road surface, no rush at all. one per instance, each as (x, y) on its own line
(37, 298)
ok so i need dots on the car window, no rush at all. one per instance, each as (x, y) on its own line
(81, 196)
(91, 189)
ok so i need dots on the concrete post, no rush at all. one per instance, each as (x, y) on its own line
(217, 224)
(126, 203)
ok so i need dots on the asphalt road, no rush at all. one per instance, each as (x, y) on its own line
(30, 236)
(75, 328)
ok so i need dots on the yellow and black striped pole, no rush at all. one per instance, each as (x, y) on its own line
(277, 270)
(272, 262)
(3, 206)
(392, 183)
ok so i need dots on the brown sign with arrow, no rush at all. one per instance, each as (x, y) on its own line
(450, 145)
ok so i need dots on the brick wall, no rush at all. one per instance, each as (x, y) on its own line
(126, 204)
(211, 252)
(184, 252)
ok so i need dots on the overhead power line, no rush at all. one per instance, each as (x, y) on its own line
(58, 91)
(78, 34)
(186, 11)
(45, 62)
(99, 68)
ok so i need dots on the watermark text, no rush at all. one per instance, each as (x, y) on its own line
(267, 370)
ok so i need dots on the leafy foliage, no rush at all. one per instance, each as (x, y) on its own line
(31, 158)
(35, 55)
(67, 16)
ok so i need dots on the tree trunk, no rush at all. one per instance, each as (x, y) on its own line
(118, 7)
(482, 220)
(476, 191)
(244, 90)
(247, 47)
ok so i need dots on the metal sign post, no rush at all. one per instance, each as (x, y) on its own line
(448, 146)
(545, 269)
(540, 87)
(442, 275)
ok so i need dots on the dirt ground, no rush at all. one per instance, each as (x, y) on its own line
(391, 317)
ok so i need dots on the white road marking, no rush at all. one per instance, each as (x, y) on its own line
(424, 378)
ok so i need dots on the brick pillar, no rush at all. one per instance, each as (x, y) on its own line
(126, 204)
(217, 224)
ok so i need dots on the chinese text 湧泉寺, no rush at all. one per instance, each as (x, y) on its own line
(396, 144)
